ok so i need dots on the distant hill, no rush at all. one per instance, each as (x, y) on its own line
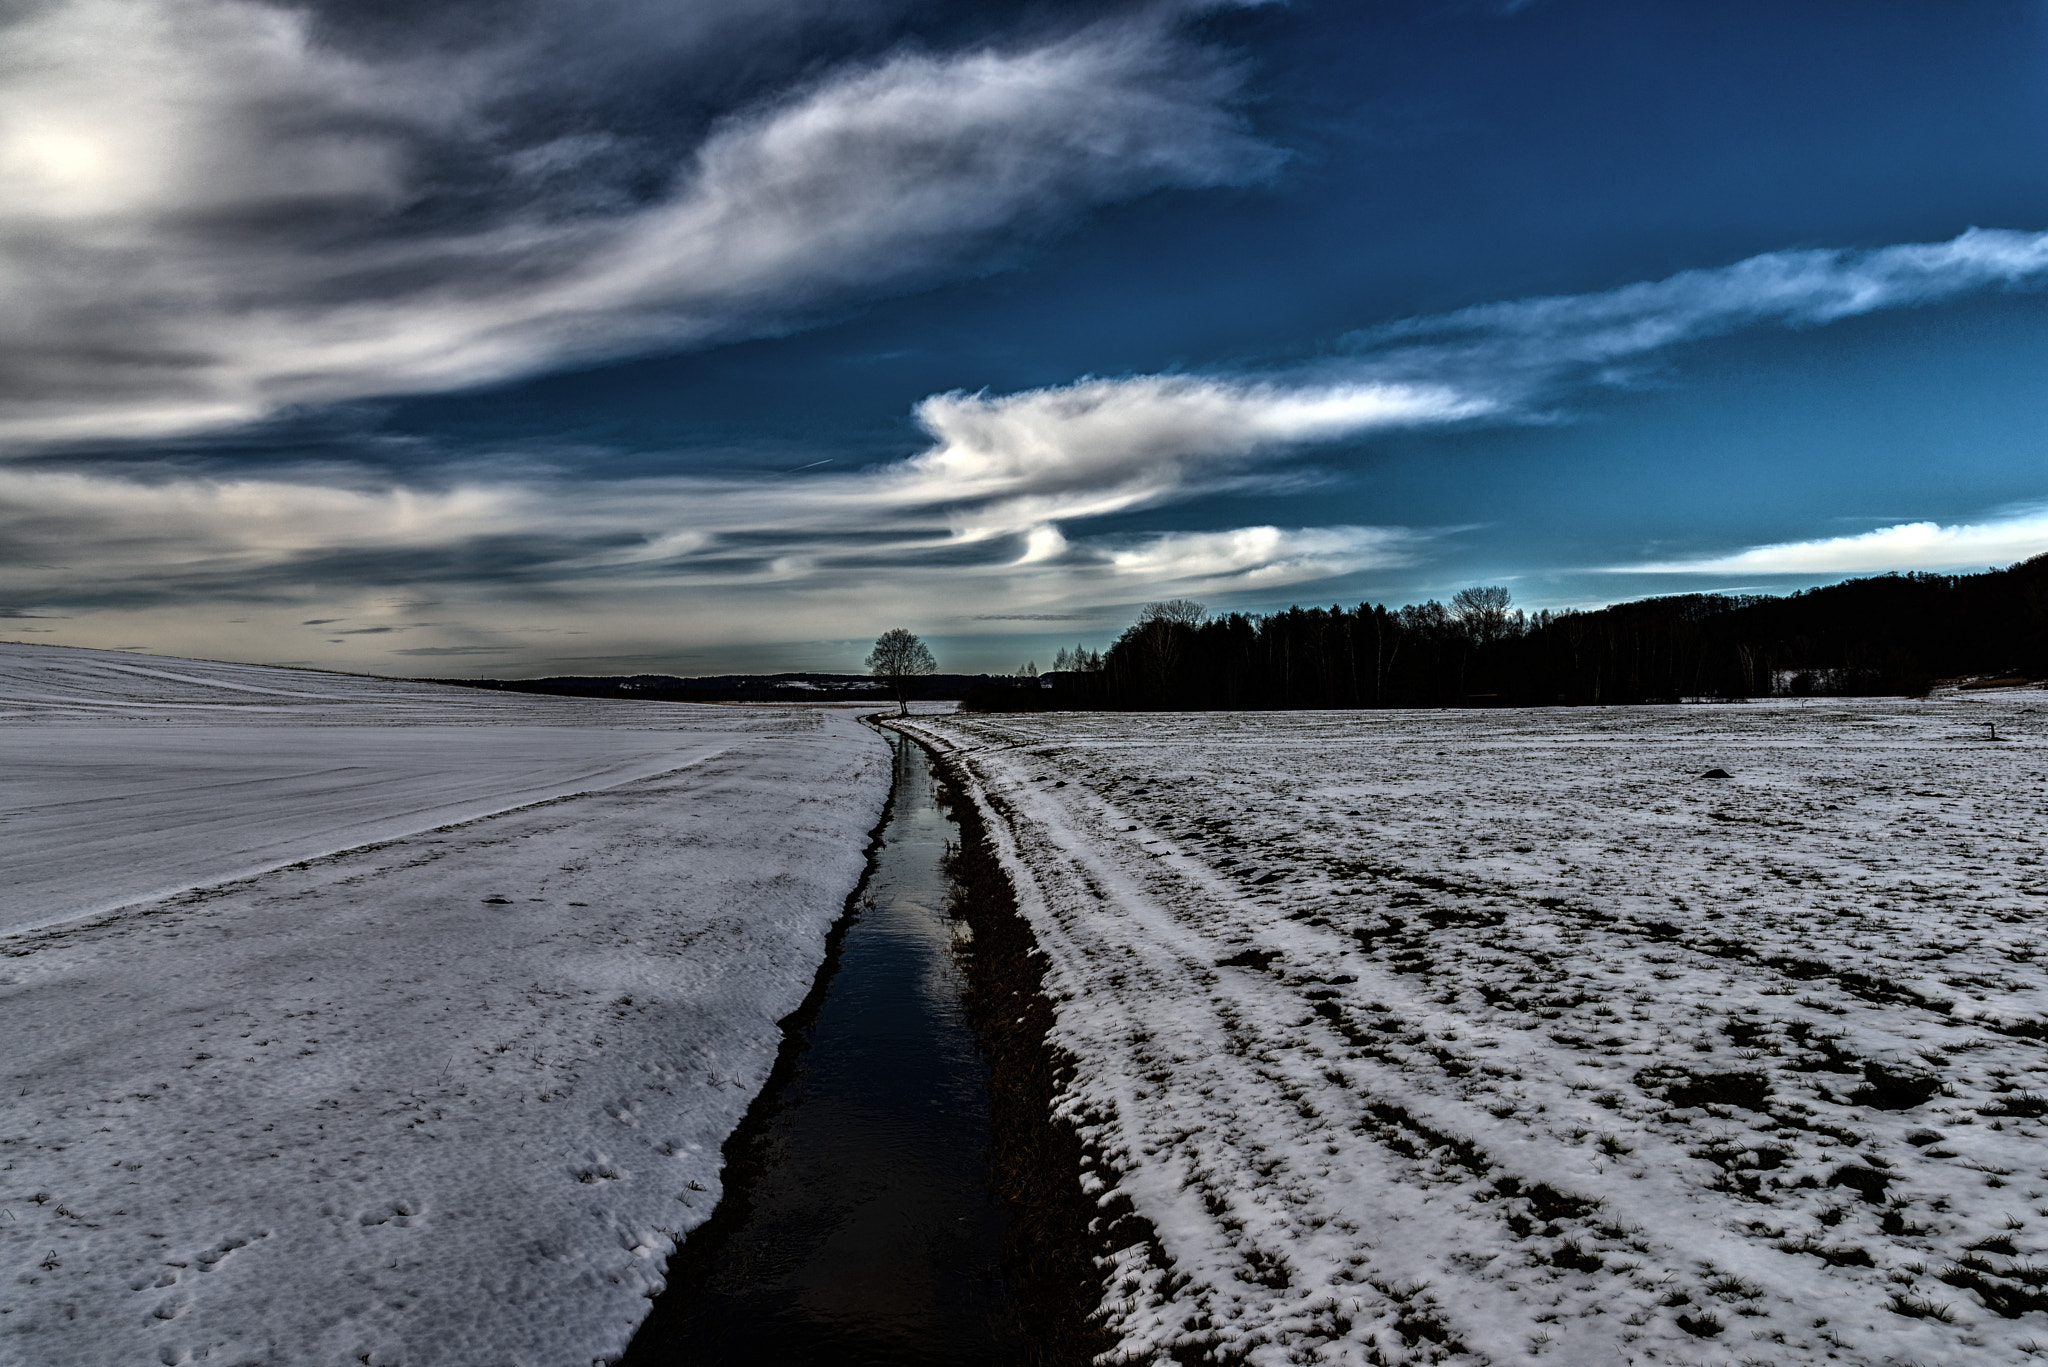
(729, 687)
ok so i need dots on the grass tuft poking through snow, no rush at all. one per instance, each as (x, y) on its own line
(1505, 1037)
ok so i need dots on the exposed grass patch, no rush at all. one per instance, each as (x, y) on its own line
(1835, 1255)
(1704, 1325)
(1682, 1087)
(1920, 1308)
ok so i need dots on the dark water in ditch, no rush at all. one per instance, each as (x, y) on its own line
(857, 1225)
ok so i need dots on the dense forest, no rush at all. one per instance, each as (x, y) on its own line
(1894, 634)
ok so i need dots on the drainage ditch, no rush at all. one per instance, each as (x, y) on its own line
(886, 1200)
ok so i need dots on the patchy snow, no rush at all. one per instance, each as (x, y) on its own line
(1506, 1036)
(353, 1020)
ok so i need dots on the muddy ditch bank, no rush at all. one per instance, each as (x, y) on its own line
(900, 1193)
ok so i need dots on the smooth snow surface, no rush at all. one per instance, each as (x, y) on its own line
(1505, 1036)
(356, 1021)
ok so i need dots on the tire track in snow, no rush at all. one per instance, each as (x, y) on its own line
(1140, 913)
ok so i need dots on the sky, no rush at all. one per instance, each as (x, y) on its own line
(616, 336)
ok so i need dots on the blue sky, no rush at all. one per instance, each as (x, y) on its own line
(622, 336)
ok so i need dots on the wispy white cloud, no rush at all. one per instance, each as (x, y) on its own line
(1034, 463)
(1261, 557)
(997, 518)
(207, 213)
(211, 211)
(724, 561)
(134, 525)
(1529, 350)
(1015, 461)
(1998, 541)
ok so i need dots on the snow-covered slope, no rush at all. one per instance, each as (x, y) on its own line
(1495, 1037)
(350, 1020)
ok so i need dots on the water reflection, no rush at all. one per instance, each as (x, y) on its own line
(858, 1226)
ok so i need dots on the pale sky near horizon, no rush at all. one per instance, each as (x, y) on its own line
(622, 336)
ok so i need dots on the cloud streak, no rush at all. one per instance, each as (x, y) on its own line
(1015, 462)
(210, 214)
(1028, 465)
(739, 559)
(1526, 351)
(1262, 557)
(998, 517)
(1904, 546)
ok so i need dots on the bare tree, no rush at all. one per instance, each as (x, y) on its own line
(1161, 629)
(899, 657)
(1483, 612)
(1185, 611)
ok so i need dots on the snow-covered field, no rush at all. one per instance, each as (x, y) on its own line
(1496, 1037)
(349, 1020)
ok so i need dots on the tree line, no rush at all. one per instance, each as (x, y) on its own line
(1891, 634)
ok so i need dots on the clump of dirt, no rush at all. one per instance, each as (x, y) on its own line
(1869, 1183)
(1747, 1088)
(1894, 1087)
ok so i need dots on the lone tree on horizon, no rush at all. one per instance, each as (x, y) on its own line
(1160, 633)
(899, 657)
(1483, 612)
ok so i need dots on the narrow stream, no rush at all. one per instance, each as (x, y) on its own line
(857, 1224)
